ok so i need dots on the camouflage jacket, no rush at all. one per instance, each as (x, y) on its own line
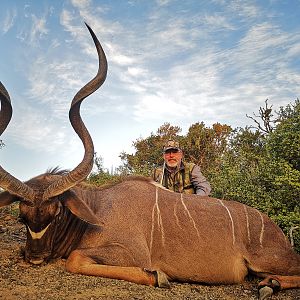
(188, 179)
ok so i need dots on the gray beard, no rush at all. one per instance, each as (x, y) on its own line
(173, 169)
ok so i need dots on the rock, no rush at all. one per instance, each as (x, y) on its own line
(2, 229)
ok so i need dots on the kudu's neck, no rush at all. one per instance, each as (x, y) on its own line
(69, 231)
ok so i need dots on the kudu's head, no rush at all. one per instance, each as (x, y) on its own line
(43, 198)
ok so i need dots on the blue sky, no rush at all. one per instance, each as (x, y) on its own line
(169, 61)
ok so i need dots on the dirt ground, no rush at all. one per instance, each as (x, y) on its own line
(19, 280)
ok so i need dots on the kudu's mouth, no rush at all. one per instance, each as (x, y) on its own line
(36, 261)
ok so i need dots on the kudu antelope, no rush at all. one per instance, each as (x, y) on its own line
(139, 232)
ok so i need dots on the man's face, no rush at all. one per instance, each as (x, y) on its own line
(173, 157)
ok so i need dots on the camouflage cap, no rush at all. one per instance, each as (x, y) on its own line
(171, 145)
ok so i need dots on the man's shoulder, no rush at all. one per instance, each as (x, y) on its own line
(189, 165)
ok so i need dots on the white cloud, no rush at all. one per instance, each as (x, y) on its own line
(25, 9)
(116, 56)
(163, 2)
(136, 71)
(159, 107)
(54, 43)
(200, 86)
(38, 29)
(53, 85)
(104, 30)
(9, 20)
(244, 8)
(294, 50)
(216, 22)
(66, 18)
(37, 132)
(174, 34)
(82, 4)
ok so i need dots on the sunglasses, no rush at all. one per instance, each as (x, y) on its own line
(174, 151)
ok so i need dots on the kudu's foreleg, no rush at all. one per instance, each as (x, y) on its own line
(85, 265)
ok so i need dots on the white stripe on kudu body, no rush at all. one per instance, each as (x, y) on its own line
(247, 220)
(37, 235)
(189, 214)
(176, 217)
(262, 229)
(231, 219)
(159, 220)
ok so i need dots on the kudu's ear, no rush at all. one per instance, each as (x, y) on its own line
(79, 208)
(6, 198)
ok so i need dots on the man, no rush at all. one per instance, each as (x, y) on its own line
(179, 176)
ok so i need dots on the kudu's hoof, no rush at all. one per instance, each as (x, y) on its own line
(265, 292)
(162, 280)
(275, 284)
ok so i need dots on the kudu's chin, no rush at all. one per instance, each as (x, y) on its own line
(36, 261)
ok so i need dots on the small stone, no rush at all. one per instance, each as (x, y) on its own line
(2, 229)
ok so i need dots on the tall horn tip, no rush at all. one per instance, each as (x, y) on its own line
(89, 28)
(95, 39)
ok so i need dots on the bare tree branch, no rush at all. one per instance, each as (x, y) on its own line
(266, 117)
